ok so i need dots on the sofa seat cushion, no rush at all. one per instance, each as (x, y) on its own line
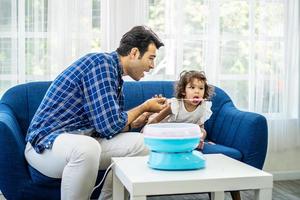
(40, 179)
(218, 148)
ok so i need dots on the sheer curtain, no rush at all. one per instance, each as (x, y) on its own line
(273, 59)
(117, 17)
(40, 38)
(245, 48)
(69, 32)
(284, 128)
(23, 33)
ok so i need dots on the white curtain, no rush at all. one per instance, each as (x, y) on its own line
(69, 32)
(118, 17)
(43, 37)
(284, 129)
(40, 38)
(272, 77)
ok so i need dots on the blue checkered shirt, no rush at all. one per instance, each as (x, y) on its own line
(88, 94)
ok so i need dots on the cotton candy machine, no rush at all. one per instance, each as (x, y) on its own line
(172, 146)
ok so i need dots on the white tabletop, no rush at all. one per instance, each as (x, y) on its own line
(220, 174)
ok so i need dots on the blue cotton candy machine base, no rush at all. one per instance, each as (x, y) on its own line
(172, 146)
(176, 161)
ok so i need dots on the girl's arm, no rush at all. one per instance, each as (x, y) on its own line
(203, 131)
(161, 115)
(201, 143)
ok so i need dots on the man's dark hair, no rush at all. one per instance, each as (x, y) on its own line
(139, 37)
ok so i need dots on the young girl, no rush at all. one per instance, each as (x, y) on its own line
(191, 103)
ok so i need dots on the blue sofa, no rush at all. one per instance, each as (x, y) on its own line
(240, 135)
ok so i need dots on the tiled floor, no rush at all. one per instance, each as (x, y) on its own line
(281, 190)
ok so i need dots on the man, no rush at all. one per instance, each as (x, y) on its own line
(81, 123)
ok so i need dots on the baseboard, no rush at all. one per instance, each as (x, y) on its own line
(287, 175)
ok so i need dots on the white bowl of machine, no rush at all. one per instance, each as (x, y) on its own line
(172, 146)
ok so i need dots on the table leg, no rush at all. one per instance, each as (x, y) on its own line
(118, 189)
(138, 198)
(217, 195)
(263, 194)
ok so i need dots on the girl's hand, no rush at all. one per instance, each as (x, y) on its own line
(201, 144)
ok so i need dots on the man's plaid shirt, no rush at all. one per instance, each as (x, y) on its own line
(88, 94)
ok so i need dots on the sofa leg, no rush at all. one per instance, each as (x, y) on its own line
(235, 195)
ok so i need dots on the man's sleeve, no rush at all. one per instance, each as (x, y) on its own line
(100, 87)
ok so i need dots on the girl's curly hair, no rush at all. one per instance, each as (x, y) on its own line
(188, 76)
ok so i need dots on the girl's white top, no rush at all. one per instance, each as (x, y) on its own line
(180, 114)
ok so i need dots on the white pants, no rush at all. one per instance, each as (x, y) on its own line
(77, 158)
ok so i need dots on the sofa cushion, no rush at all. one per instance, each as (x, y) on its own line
(218, 148)
(219, 99)
(24, 99)
(138, 92)
(42, 180)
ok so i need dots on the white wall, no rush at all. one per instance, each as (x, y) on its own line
(284, 164)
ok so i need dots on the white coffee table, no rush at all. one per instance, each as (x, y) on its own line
(221, 174)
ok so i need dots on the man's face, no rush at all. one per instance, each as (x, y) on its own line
(138, 65)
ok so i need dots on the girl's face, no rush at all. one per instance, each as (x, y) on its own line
(194, 92)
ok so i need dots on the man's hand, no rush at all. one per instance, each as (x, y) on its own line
(141, 120)
(151, 105)
(155, 104)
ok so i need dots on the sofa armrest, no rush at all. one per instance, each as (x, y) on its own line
(244, 131)
(13, 166)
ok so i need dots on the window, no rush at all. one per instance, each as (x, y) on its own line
(39, 38)
(238, 43)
